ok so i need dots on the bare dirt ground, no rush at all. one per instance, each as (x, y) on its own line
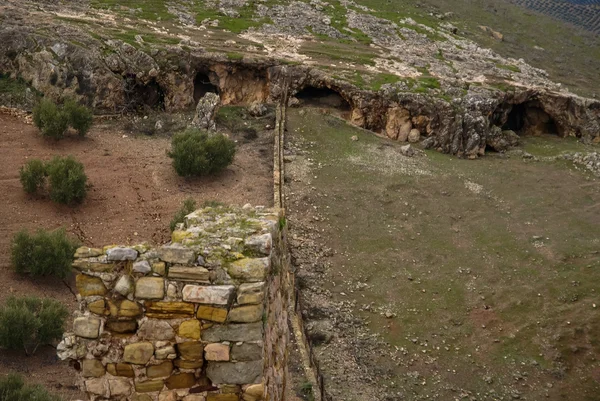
(133, 195)
(431, 277)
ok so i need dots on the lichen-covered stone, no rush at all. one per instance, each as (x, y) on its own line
(120, 369)
(124, 285)
(246, 313)
(249, 269)
(98, 386)
(156, 330)
(138, 353)
(163, 369)
(169, 310)
(93, 265)
(212, 295)
(92, 368)
(121, 253)
(251, 293)
(150, 288)
(86, 327)
(244, 352)
(258, 244)
(191, 350)
(119, 387)
(89, 286)
(166, 352)
(98, 307)
(149, 386)
(183, 364)
(235, 372)
(87, 252)
(190, 329)
(181, 380)
(189, 273)
(216, 352)
(233, 332)
(159, 268)
(212, 313)
(129, 308)
(121, 326)
(176, 254)
(141, 266)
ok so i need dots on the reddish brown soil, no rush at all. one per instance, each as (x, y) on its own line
(133, 195)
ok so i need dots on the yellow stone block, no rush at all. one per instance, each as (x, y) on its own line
(190, 329)
(88, 285)
(213, 314)
(169, 310)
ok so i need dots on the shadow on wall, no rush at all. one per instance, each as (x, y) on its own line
(529, 118)
(322, 97)
(140, 96)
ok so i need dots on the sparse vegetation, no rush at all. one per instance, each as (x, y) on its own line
(508, 67)
(80, 117)
(33, 175)
(67, 180)
(53, 121)
(14, 388)
(188, 206)
(195, 153)
(29, 322)
(46, 253)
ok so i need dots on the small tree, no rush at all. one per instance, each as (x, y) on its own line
(33, 175)
(28, 322)
(45, 253)
(189, 205)
(80, 117)
(67, 180)
(195, 153)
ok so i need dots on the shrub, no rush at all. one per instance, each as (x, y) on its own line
(67, 180)
(194, 153)
(43, 112)
(80, 117)
(189, 205)
(28, 322)
(32, 175)
(42, 254)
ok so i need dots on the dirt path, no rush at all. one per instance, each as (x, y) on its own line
(133, 195)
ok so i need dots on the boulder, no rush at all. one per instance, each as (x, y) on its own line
(206, 111)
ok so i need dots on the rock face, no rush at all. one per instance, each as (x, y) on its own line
(206, 111)
(139, 332)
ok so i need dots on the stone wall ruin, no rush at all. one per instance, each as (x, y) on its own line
(203, 318)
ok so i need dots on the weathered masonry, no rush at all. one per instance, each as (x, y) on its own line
(203, 318)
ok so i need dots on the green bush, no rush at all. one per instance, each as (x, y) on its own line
(67, 180)
(195, 153)
(80, 117)
(54, 121)
(32, 175)
(44, 253)
(189, 205)
(28, 322)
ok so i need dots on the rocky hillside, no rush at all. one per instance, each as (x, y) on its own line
(394, 70)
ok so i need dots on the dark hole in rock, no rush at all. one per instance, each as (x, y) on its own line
(202, 86)
(530, 119)
(140, 96)
(322, 97)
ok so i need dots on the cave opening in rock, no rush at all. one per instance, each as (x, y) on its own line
(322, 97)
(140, 96)
(202, 86)
(530, 119)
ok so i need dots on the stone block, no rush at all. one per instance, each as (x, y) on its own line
(149, 386)
(86, 252)
(244, 352)
(211, 294)
(251, 293)
(169, 310)
(181, 380)
(189, 273)
(141, 397)
(230, 388)
(194, 397)
(121, 326)
(246, 313)
(92, 368)
(98, 307)
(249, 269)
(86, 327)
(124, 285)
(222, 397)
(142, 266)
(129, 308)
(216, 352)
(190, 329)
(176, 254)
(157, 330)
(88, 286)
(150, 288)
(121, 253)
(191, 350)
(235, 372)
(167, 396)
(138, 353)
(211, 313)
(258, 245)
(254, 392)
(163, 369)
(93, 265)
(233, 332)
(183, 364)
(119, 387)
(98, 386)
(120, 369)
(167, 352)
(159, 268)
